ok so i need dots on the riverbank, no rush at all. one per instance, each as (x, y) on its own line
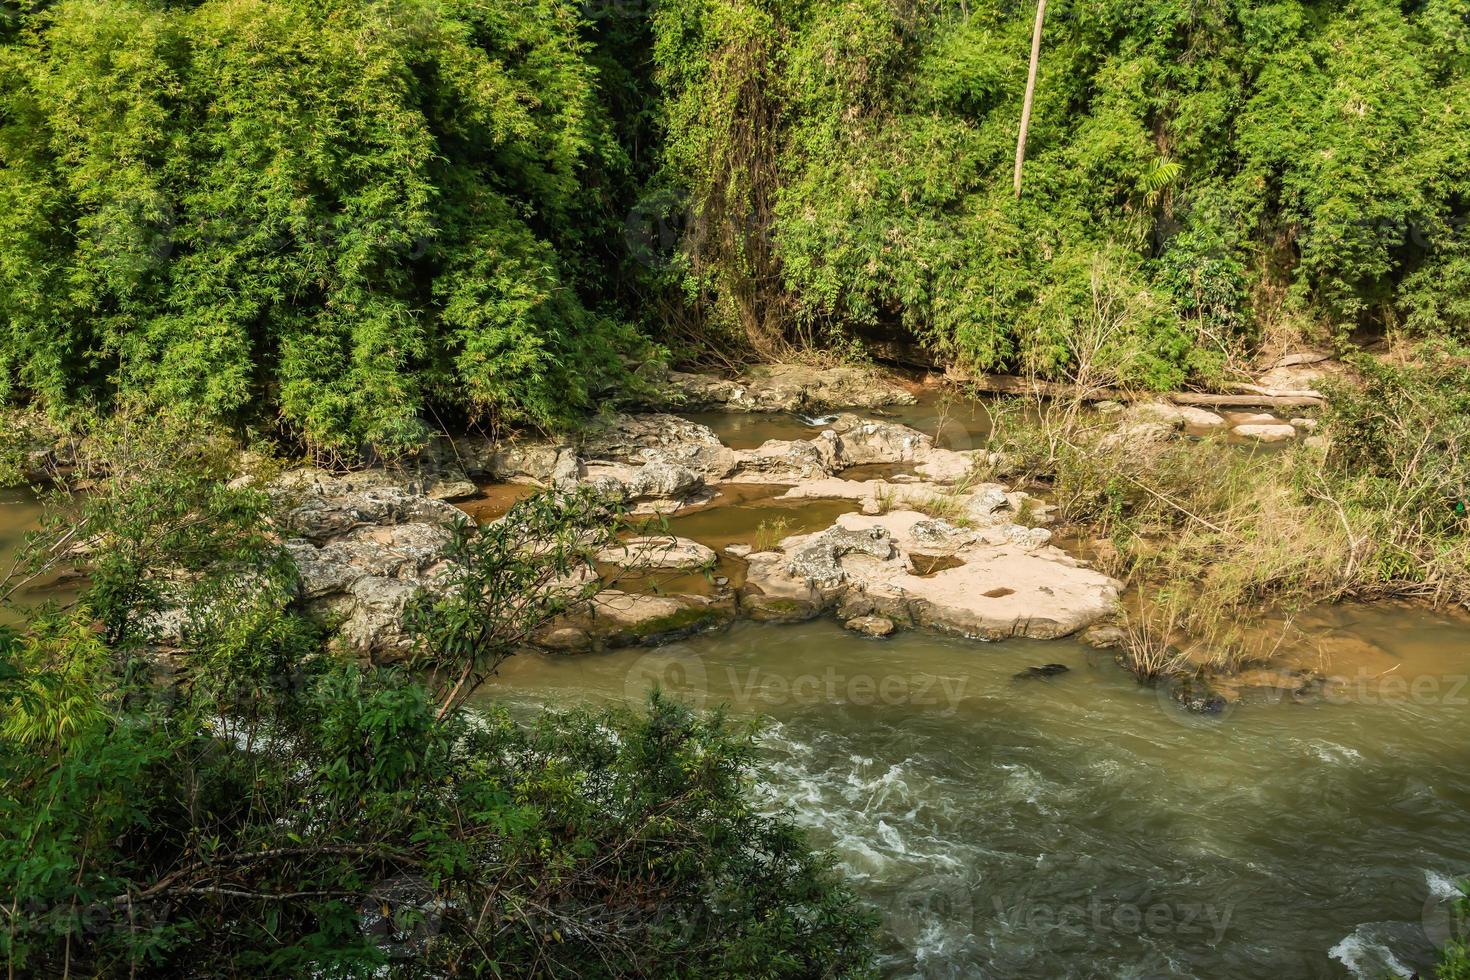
(945, 771)
(807, 511)
(931, 508)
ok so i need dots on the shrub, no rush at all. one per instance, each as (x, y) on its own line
(268, 808)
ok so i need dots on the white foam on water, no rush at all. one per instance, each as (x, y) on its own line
(891, 837)
(1366, 959)
(1334, 754)
(1441, 885)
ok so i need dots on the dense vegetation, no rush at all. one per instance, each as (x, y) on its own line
(347, 218)
(1378, 507)
(266, 808)
(1198, 172)
(344, 213)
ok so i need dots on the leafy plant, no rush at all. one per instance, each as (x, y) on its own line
(266, 807)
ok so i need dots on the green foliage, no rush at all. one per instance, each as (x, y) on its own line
(505, 579)
(266, 808)
(1454, 958)
(1400, 460)
(1203, 169)
(344, 213)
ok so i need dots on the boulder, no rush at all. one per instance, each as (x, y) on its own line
(788, 460)
(658, 438)
(990, 589)
(659, 552)
(1277, 432)
(318, 506)
(657, 480)
(375, 622)
(1178, 416)
(875, 626)
(621, 619)
(363, 551)
(950, 466)
(519, 460)
(786, 388)
(1105, 637)
(863, 442)
(773, 594)
(1139, 437)
(565, 639)
(820, 558)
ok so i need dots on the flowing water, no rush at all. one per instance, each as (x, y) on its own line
(1079, 825)
(1082, 825)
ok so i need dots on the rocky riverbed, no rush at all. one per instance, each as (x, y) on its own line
(875, 523)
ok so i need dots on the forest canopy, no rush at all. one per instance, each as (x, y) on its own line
(346, 219)
(1198, 172)
(347, 211)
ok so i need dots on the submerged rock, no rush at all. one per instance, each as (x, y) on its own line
(1196, 696)
(1043, 671)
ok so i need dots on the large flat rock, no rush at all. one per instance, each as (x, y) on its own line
(989, 583)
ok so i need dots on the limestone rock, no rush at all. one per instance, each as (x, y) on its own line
(773, 594)
(320, 507)
(787, 388)
(948, 465)
(862, 442)
(1139, 437)
(992, 589)
(1178, 416)
(659, 552)
(788, 460)
(1266, 433)
(820, 557)
(618, 619)
(1104, 637)
(376, 622)
(876, 626)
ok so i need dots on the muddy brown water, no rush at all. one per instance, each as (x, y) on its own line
(1080, 825)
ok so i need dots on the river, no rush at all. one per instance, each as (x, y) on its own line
(1082, 825)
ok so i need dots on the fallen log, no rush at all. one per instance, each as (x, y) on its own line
(1241, 395)
(1299, 400)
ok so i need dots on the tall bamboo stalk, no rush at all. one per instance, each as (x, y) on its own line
(1030, 91)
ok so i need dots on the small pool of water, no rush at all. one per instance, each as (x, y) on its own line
(750, 430)
(20, 514)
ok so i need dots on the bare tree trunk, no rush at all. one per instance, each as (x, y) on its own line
(1030, 91)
